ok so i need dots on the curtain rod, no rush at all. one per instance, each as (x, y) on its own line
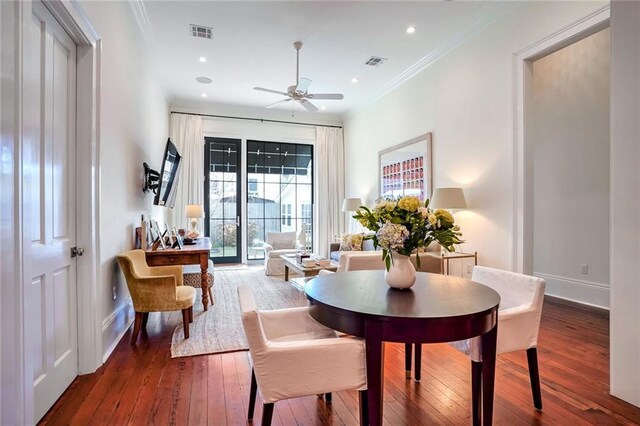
(262, 120)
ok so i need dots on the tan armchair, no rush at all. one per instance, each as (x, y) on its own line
(155, 289)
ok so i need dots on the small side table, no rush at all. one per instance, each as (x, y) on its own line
(446, 257)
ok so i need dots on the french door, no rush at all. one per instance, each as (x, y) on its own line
(223, 199)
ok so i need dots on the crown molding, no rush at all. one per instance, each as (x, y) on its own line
(139, 11)
(439, 52)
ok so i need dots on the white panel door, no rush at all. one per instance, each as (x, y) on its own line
(51, 303)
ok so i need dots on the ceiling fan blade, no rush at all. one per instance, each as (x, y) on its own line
(277, 103)
(308, 105)
(262, 89)
(338, 96)
(303, 85)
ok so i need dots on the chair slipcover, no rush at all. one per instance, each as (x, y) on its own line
(293, 355)
(519, 314)
(273, 264)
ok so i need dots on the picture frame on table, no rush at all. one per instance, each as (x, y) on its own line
(179, 243)
(406, 169)
(168, 235)
(156, 234)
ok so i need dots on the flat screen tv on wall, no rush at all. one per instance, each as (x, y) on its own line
(169, 176)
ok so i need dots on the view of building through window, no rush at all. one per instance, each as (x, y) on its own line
(279, 192)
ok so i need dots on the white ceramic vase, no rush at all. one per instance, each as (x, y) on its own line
(401, 274)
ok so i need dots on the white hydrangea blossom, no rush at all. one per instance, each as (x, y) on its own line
(392, 236)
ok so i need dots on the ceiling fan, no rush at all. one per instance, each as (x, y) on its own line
(298, 92)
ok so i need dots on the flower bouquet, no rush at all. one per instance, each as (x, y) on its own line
(403, 226)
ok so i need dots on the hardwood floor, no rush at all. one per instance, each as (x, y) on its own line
(143, 385)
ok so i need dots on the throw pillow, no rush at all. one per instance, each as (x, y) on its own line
(283, 245)
(351, 242)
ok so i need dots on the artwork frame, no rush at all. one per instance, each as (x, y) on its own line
(406, 169)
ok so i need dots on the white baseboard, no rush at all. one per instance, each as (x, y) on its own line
(579, 291)
(114, 327)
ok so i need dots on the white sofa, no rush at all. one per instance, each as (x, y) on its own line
(430, 261)
(279, 243)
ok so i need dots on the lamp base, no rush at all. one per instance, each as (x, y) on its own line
(193, 232)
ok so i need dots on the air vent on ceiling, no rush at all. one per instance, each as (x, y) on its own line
(201, 31)
(375, 61)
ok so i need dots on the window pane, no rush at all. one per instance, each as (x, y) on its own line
(279, 189)
(303, 200)
(271, 225)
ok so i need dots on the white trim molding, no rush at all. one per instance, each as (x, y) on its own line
(16, 371)
(70, 15)
(499, 10)
(522, 260)
(116, 325)
(579, 291)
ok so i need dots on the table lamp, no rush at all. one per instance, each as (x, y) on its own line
(194, 212)
(448, 198)
(351, 204)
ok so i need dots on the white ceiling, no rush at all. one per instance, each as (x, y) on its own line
(252, 45)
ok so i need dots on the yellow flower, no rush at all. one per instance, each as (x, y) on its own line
(445, 218)
(433, 219)
(409, 203)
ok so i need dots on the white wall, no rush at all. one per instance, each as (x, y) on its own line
(569, 131)
(625, 201)
(133, 129)
(466, 99)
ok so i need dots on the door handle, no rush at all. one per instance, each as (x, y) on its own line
(237, 220)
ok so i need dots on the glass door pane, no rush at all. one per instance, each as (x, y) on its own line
(280, 192)
(222, 189)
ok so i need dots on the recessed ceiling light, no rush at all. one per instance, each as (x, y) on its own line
(204, 95)
(204, 80)
(411, 30)
(354, 80)
(202, 59)
(323, 107)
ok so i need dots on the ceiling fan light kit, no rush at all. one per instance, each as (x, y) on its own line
(299, 91)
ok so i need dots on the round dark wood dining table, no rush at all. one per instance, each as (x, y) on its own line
(438, 308)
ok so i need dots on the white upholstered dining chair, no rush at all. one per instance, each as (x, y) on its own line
(519, 315)
(293, 355)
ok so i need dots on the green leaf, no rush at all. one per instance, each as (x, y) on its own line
(418, 259)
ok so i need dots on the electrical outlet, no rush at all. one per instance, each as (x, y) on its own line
(470, 268)
(113, 293)
(585, 268)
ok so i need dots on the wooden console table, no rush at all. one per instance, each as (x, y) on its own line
(197, 254)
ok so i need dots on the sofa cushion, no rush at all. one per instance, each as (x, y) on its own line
(335, 255)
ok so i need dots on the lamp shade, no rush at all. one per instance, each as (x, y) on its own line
(351, 204)
(448, 198)
(194, 211)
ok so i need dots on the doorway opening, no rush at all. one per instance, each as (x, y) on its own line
(562, 161)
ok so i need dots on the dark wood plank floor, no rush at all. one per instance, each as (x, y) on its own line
(143, 385)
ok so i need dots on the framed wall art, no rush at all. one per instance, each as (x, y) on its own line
(405, 169)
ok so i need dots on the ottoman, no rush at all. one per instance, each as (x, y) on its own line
(192, 277)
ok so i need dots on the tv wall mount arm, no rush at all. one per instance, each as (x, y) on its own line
(151, 179)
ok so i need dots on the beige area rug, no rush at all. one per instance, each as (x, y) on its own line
(220, 328)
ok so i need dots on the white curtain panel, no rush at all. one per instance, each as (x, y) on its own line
(186, 133)
(329, 160)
